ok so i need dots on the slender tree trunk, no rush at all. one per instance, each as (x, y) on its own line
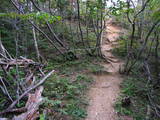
(157, 62)
(80, 29)
(34, 37)
(36, 44)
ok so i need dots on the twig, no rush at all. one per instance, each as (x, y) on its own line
(5, 88)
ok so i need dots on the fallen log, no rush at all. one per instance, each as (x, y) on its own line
(32, 105)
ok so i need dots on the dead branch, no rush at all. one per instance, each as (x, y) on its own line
(26, 92)
(5, 88)
(153, 105)
(32, 105)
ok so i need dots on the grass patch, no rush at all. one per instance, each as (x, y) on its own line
(65, 91)
(86, 64)
(133, 87)
(65, 97)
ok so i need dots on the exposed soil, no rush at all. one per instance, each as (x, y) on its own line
(105, 90)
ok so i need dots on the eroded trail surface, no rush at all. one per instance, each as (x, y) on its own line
(105, 90)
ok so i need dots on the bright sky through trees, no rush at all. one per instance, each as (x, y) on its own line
(112, 2)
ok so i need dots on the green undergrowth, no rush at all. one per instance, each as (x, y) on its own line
(64, 97)
(85, 64)
(134, 87)
(121, 49)
(65, 91)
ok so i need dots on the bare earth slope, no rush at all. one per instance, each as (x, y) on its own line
(105, 90)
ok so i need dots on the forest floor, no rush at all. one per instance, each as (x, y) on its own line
(106, 88)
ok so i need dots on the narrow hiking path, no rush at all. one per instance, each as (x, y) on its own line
(105, 89)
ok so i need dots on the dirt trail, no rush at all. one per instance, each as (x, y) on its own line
(104, 91)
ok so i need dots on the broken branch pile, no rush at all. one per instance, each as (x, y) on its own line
(22, 77)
